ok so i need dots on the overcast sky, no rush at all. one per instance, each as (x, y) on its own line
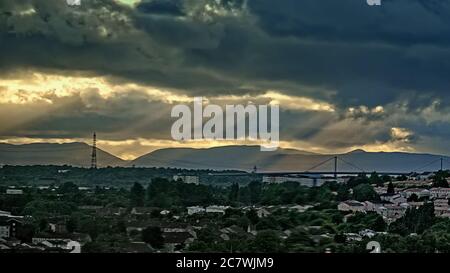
(346, 75)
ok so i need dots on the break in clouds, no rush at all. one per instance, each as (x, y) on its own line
(346, 75)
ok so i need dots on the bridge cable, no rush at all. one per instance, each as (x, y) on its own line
(351, 164)
(320, 164)
(431, 163)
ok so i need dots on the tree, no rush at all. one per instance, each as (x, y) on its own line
(391, 189)
(358, 180)
(413, 198)
(153, 236)
(402, 177)
(255, 188)
(43, 224)
(267, 241)
(299, 236)
(414, 220)
(234, 192)
(343, 194)
(440, 179)
(370, 220)
(68, 187)
(379, 224)
(137, 195)
(25, 233)
(375, 179)
(365, 192)
(386, 178)
(252, 216)
(72, 224)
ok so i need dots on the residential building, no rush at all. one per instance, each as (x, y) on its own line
(417, 191)
(216, 209)
(262, 212)
(5, 213)
(438, 193)
(315, 181)
(352, 205)
(395, 199)
(14, 191)
(392, 211)
(58, 227)
(441, 207)
(188, 179)
(195, 210)
(4, 230)
(9, 226)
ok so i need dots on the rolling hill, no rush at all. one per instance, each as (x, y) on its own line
(75, 154)
(245, 157)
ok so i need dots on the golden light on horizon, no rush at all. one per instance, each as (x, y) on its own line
(40, 94)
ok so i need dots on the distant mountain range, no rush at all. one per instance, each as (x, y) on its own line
(246, 157)
(75, 154)
(222, 158)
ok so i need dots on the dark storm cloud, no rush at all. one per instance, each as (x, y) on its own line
(402, 22)
(75, 116)
(162, 7)
(344, 52)
(369, 55)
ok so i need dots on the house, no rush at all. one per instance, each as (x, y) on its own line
(165, 212)
(4, 230)
(438, 193)
(188, 179)
(216, 209)
(300, 208)
(421, 193)
(375, 207)
(441, 207)
(367, 233)
(415, 204)
(58, 227)
(44, 236)
(262, 212)
(195, 210)
(94, 208)
(353, 237)
(310, 181)
(395, 199)
(164, 225)
(110, 211)
(5, 213)
(9, 226)
(143, 210)
(177, 241)
(14, 191)
(352, 205)
(72, 242)
(380, 190)
(60, 245)
(392, 211)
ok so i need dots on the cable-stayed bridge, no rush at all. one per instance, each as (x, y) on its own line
(338, 161)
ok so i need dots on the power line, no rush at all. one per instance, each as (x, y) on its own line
(351, 164)
(320, 164)
(431, 163)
